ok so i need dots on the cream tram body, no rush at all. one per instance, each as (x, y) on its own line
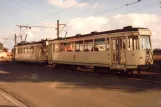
(31, 52)
(128, 48)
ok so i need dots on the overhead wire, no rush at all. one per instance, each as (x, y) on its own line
(125, 5)
(140, 9)
(91, 15)
(62, 10)
(122, 6)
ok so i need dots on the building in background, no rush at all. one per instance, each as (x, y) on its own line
(4, 54)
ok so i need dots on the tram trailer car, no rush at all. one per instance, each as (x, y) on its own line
(122, 49)
(35, 52)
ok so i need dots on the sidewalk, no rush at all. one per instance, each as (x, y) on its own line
(4, 102)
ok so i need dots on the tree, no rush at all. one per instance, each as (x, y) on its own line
(1, 46)
(5, 49)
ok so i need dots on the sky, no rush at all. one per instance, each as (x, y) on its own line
(80, 18)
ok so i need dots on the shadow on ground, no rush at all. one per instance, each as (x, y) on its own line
(13, 72)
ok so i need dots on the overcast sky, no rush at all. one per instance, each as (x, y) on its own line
(79, 19)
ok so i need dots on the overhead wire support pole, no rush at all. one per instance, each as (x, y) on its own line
(25, 29)
(15, 39)
(58, 28)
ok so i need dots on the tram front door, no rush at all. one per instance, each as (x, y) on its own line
(118, 52)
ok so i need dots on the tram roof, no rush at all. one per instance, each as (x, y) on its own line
(30, 43)
(125, 29)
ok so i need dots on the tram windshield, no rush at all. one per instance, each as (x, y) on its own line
(145, 42)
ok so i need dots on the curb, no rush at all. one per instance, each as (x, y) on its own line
(16, 102)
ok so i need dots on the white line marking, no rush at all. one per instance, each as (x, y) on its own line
(11, 99)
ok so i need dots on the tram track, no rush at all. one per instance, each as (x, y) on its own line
(145, 75)
(148, 78)
(53, 86)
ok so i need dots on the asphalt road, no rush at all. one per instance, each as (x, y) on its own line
(47, 87)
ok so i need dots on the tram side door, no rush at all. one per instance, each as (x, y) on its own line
(119, 50)
(38, 53)
(50, 50)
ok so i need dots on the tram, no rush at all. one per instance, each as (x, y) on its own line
(122, 49)
(31, 52)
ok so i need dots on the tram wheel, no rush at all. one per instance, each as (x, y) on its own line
(139, 72)
(130, 72)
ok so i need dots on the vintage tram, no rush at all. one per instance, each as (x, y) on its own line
(31, 52)
(122, 49)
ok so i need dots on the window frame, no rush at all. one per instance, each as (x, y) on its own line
(133, 42)
(88, 50)
(81, 44)
(96, 46)
(140, 42)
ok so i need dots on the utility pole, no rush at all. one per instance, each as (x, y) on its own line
(58, 28)
(15, 39)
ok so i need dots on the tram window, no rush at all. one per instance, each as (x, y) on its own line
(145, 42)
(22, 51)
(69, 47)
(19, 50)
(113, 44)
(43, 49)
(32, 49)
(25, 49)
(99, 45)
(57, 47)
(133, 43)
(62, 47)
(53, 47)
(78, 46)
(28, 50)
(122, 43)
(88, 44)
(107, 44)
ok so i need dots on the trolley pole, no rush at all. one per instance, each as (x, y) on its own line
(58, 29)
